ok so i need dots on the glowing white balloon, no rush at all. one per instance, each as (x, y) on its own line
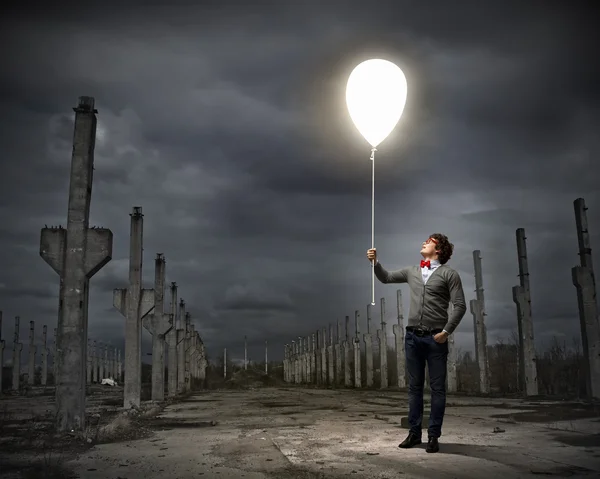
(376, 95)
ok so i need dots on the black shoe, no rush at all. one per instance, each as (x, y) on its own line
(432, 445)
(410, 441)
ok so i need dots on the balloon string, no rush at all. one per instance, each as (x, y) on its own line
(373, 150)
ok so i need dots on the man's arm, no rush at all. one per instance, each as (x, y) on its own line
(400, 276)
(457, 298)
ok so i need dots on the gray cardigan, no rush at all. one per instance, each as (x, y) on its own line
(429, 302)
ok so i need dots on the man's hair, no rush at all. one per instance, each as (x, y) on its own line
(443, 247)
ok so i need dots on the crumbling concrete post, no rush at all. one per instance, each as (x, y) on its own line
(347, 353)
(318, 341)
(1, 354)
(134, 302)
(357, 370)
(313, 359)
(16, 361)
(451, 376)
(267, 357)
(44, 356)
(189, 329)
(32, 351)
(286, 369)
(54, 358)
(301, 358)
(171, 339)
(369, 349)
(245, 353)
(330, 357)
(398, 330)
(100, 356)
(105, 362)
(115, 374)
(158, 323)
(90, 352)
(76, 254)
(293, 368)
(225, 363)
(339, 378)
(584, 281)
(94, 354)
(307, 361)
(522, 298)
(181, 348)
(478, 311)
(119, 366)
(324, 358)
(299, 361)
(382, 335)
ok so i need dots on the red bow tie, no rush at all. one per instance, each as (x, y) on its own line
(426, 263)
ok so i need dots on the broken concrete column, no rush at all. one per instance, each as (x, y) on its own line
(313, 358)
(171, 340)
(584, 281)
(32, 351)
(330, 357)
(294, 362)
(16, 360)
(324, 358)
(54, 360)
(134, 302)
(338, 356)
(158, 323)
(181, 348)
(347, 356)
(307, 362)
(382, 336)
(225, 363)
(188, 349)
(119, 366)
(286, 368)
(114, 365)
(76, 254)
(451, 376)
(100, 356)
(357, 370)
(318, 357)
(94, 354)
(88, 376)
(106, 362)
(522, 299)
(368, 349)
(478, 311)
(44, 356)
(245, 353)
(1, 354)
(301, 358)
(398, 330)
(267, 357)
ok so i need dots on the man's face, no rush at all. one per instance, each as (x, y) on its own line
(428, 247)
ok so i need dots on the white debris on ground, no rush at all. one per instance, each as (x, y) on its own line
(109, 381)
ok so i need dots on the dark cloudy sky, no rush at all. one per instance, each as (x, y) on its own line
(228, 125)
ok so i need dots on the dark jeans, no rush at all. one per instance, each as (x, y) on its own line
(421, 350)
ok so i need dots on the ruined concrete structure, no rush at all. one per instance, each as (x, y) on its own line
(76, 254)
(477, 307)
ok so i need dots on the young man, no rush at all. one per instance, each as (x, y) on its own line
(433, 286)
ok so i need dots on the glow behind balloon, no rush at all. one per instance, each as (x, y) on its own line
(376, 95)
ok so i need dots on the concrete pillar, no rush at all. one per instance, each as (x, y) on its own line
(188, 350)
(134, 303)
(330, 364)
(225, 363)
(158, 323)
(54, 358)
(114, 365)
(267, 357)
(119, 366)
(398, 330)
(324, 357)
(285, 368)
(318, 341)
(478, 311)
(301, 377)
(181, 348)
(2, 343)
(94, 354)
(171, 340)
(245, 353)
(368, 339)
(100, 356)
(347, 356)
(76, 254)
(89, 363)
(16, 360)
(522, 299)
(382, 335)
(32, 351)
(293, 362)
(338, 356)
(357, 368)
(451, 376)
(584, 281)
(44, 356)
(313, 358)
